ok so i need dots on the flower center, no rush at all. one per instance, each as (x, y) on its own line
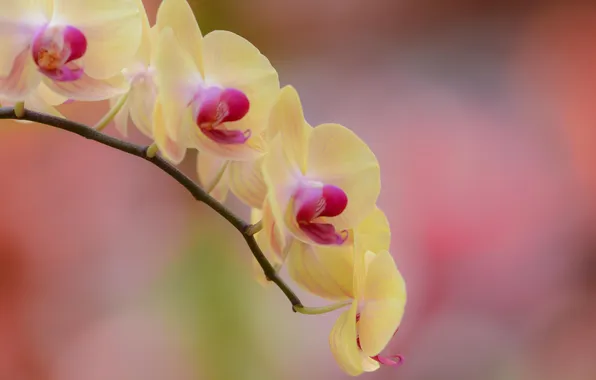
(55, 48)
(315, 201)
(216, 106)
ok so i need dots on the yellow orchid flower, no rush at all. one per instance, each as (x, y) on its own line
(138, 102)
(322, 181)
(362, 332)
(77, 48)
(328, 271)
(216, 91)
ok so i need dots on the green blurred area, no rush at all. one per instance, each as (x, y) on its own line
(213, 300)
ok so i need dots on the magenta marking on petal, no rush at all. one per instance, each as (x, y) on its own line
(67, 73)
(224, 136)
(310, 203)
(323, 233)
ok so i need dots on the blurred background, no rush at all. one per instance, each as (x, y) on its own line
(483, 116)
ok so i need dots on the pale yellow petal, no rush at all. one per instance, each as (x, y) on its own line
(282, 180)
(324, 271)
(177, 81)
(121, 117)
(287, 119)
(342, 342)
(36, 102)
(337, 156)
(144, 52)
(141, 101)
(178, 15)
(231, 61)
(247, 183)
(113, 30)
(213, 175)
(373, 233)
(170, 149)
(49, 96)
(23, 80)
(19, 21)
(369, 364)
(383, 303)
(89, 89)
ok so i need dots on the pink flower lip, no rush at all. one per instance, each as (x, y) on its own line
(317, 201)
(219, 106)
(54, 50)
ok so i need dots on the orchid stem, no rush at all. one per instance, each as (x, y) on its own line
(322, 309)
(195, 190)
(109, 116)
(254, 228)
(19, 109)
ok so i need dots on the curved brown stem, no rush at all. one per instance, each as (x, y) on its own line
(195, 190)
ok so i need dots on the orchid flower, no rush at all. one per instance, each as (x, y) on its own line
(215, 92)
(77, 48)
(362, 332)
(322, 181)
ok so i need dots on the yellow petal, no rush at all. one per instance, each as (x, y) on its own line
(141, 101)
(373, 233)
(178, 15)
(171, 149)
(177, 81)
(337, 156)
(383, 302)
(231, 61)
(342, 342)
(287, 118)
(49, 96)
(144, 52)
(89, 89)
(368, 364)
(324, 271)
(113, 30)
(247, 183)
(23, 80)
(19, 20)
(36, 101)
(121, 118)
(213, 175)
(328, 271)
(281, 183)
